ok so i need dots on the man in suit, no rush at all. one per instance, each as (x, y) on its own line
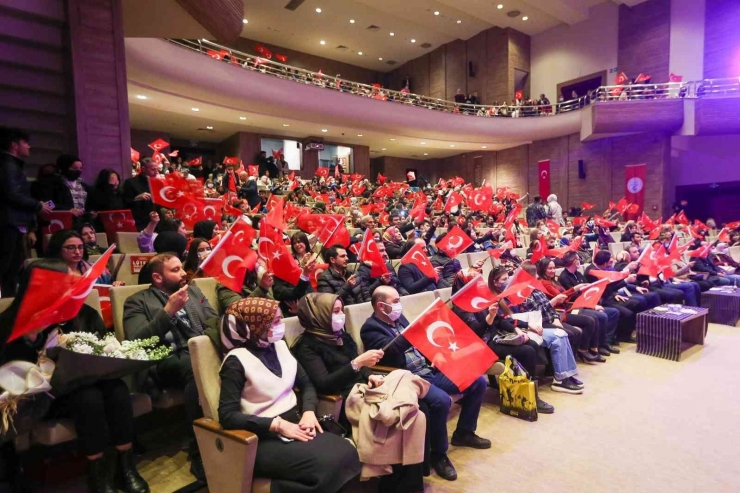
(137, 194)
(176, 312)
(383, 326)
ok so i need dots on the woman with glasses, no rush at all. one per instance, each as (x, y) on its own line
(67, 245)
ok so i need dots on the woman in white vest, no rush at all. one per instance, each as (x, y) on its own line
(257, 380)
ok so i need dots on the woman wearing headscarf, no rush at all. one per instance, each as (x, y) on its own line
(394, 242)
(171, 241)
(329, 355)
(257, 380)
(206, 229)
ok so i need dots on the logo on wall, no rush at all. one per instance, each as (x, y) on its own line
(634, 185)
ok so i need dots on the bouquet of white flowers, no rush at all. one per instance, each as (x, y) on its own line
(82, 358)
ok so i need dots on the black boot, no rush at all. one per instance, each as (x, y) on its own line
(127, 477)
(99, 476)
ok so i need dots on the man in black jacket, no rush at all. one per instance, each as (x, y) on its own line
(137, 195)
(384, 325)
(370, 284)
(175, 312)
(411, 277)
(337, 280)
(17, 208)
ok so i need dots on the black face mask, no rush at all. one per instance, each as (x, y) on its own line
(72, 174)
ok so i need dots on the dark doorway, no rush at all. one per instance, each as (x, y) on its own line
(581, 85)
(720, 201)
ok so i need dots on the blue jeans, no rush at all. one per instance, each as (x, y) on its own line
(650, 300)
(438, 400)
(608, 320)
(563, 362)
(733, 278)
(691, 292)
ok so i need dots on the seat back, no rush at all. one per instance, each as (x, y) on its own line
(126, 242)
(475, 257)
(206, 364)
(463, 259)
(126, 272)
(355, 318)
(293, 330)
(414, 304)
(735, 253)
(207, 285)
(615, 248)
(520, 252)
(118, 296)
(102, 240)
(443, 293)
(616, 235)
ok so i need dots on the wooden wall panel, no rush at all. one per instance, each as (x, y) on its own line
(477, 54)
(222, 18)
(437, 61)
(721, 39)
(518, 59)
(361, 160)
(629, 116)
(596, 187)
(455, 71)
(496, 88)
(644, 39)
(511, 169)
(717, 116)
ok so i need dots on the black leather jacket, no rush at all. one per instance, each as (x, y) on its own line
(17, 207)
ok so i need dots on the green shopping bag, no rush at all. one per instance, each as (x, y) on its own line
(518, 391)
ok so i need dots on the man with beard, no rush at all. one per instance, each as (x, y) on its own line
(176, 312)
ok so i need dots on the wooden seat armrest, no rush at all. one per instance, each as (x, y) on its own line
(242, 436)
(330, 397)
(383, 369)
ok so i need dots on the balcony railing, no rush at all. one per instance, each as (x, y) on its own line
(691, 89)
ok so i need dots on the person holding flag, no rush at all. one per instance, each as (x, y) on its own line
(371, 283)
(654, 284)
(338, 280)
(416, 273)
(384, 330)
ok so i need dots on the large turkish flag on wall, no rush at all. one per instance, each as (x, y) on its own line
(634, 187)
(544, 173)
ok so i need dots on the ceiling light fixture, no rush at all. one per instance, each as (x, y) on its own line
(393, 34)
(423, 143)
(318, 10)
(140, 96)
(245, 21)
(286, 125)
(484, 147)
(195, 109)
(500, 6)
(459, 21)
(383, 149)
(436, 12)
(413, 41)
(351, 21)
(359, 135)
(322, 42)
(452, 145)
(525, 18)
(359, 53)
(242, 117)
(393, 139)
(324, 130)
(426, 153)
(380, 58)
(209, 127)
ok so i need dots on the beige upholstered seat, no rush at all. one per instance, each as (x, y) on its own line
(443, 293)
(228, 455)
(207, 285)
(475, 257)
(126, 274)
(396, 263)
(127, 243)
(414, 304)
(355, 317)
(100, 238)
(735, 253)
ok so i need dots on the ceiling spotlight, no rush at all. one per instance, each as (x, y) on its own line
(140, 96)
(383, 149)
(525, 18)
(324, 130)
(393, 139)
(484, 147)
(359, 53)
(380, 58)
(318, 10)
(359, 135)
(209, 127)
(286, 125)
(413, 41)
(322, 42)
(426, 153)
(422, 143)
(500, 6)
(436, 12)
(351, 21)
(393, 34)
(242, 117)
(245, 21)
(195, 109)
(452, 145)
(459, 21)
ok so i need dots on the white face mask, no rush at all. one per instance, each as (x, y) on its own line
(277, 331)
(337, 322)
(396, 311)
(203, 255)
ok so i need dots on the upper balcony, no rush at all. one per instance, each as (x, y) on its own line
(231, 82)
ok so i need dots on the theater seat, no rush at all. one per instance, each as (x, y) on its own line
(735, 253)
(228, 455)
(475, 257)
(207, 285)
(293, 330)
(414, 304)
(443, 293)
(126, 242)
(126, 272)
(463, 259)
(521, 253)
(615, 248)
(355, 316)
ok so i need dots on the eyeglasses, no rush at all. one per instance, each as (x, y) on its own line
(72, 248)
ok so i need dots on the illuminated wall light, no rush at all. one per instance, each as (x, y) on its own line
(500, 6)
(322, 42)
(324, 130)
(286, 124)
(380, 58)
(525, 18)
(459, 21)
(413, 41)
(318, 10)
(383, 149)
(359, 53)
(452, 145)
(423, 143)
(436, 12)
(195, 109)
(140, 96)
(242, 117)
(393, 34)
(484, 147)
(209, 127)
(245, 21)
(426, 153)
(351, 21)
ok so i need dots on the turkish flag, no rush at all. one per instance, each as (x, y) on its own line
(315, 274)
(381, 179)
(510, 229)
(357, 190)
(695, 234)
(553, 227)
(558, 252)
(642, 79)
(675, 78)
(135, 155)
(196, 162)
(54, 297)
(384, 219)
(634, 185)
(419, 210)
(600, 221)
(454, 200)
(724, 236)
(474, 296)
(587, 206)
(700, 226)
(701, 252)
(455, 242)
(538, 250)
(158, 145)
(333, 231)
(522, 276)
(106, 309)
(275, 213)
(611, 275)
(164, 192)
(279, 259)
(650, 262)
(497, 252)
(590, 295)
(543, 168)
(517, 294)
(231, 160)
(369, 253)
(681, 218)
(356, 177)
(58, 220)
(621, 78)
(418, 257)
(211, 210)
(234, 248)
(455, 349)
(322, 172)
(253, 170)
(481, 199)
(117, 221)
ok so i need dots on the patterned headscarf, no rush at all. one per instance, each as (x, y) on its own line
(315, 313)
(390, 235)
(246, 322)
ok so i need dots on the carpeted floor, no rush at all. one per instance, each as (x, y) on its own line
(642, 425)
